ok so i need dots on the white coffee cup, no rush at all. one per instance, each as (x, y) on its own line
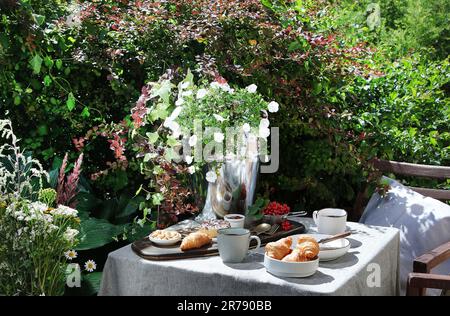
(235, 220)
(330, 221)
(233, 244)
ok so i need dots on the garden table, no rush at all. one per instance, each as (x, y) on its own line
(371, 267)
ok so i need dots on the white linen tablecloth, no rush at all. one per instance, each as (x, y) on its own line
(373, 249)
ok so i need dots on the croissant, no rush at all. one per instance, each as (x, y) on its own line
(304, 238)
(194, 241)
(308, 249)
(279, 249)
(295, 256)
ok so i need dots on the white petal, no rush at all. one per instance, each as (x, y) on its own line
(179, 102)
(273, 107)
(184, 85)
(191, 169)
(252, 88)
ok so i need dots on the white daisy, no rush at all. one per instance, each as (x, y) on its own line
(201, 93)
(192, 140)
(71, 254)
(246, 127)
(218, 137)
(218, 117)
(90, 266)
(252, 88)
(273, 107)
(211, 176)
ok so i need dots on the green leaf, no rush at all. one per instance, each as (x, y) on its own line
(171, 141)
(152, 137)
(95, 233)
(48, 62)
(39, 19)
(131, 208)
(36, 63)
(47, 81)
(85, 112)
(91, 283)
(70, 103)
(157, 198)
(17, 100)
(59, 64)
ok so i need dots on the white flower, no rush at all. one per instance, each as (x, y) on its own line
(246, 127)
(211, 176)
(264, 123)
(186, 93)
(188, 159)
(179, 102)
(65, 211)
(192, 140)
(191, 169)
(273, 107)
(264, 132)
(38, 207)
(174, 127)
(252, 88)
(219, 137)
(201, 93)
(223, 86)
(71, 254)
(90, 266)
(218, 117)
(70, 234)
(184, 85)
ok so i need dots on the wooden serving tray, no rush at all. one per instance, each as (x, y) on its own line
(150, 251)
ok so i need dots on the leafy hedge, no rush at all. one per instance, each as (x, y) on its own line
(71, 72)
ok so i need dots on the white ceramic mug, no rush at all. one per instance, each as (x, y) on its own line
(234, 243)
(330, 221)
(235, 220)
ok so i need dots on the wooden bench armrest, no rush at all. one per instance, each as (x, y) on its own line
(428, 261)
(419, 281)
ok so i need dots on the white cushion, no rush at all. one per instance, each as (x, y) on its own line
(424, 224)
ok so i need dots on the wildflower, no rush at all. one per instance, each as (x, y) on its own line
(71, 254)
(252, 88)
(201, 93)
(218, 137)
(90, 266)
(211, 176)
(273, 107)
(70, 234)
(63, 210)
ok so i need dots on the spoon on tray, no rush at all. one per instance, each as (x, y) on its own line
(261, 228)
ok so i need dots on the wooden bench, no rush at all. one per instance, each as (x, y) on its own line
(421, 278)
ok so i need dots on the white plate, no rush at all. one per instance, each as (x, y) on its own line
(329, 251)
(290, 269)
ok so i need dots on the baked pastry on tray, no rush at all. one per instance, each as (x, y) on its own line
(195, 240)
